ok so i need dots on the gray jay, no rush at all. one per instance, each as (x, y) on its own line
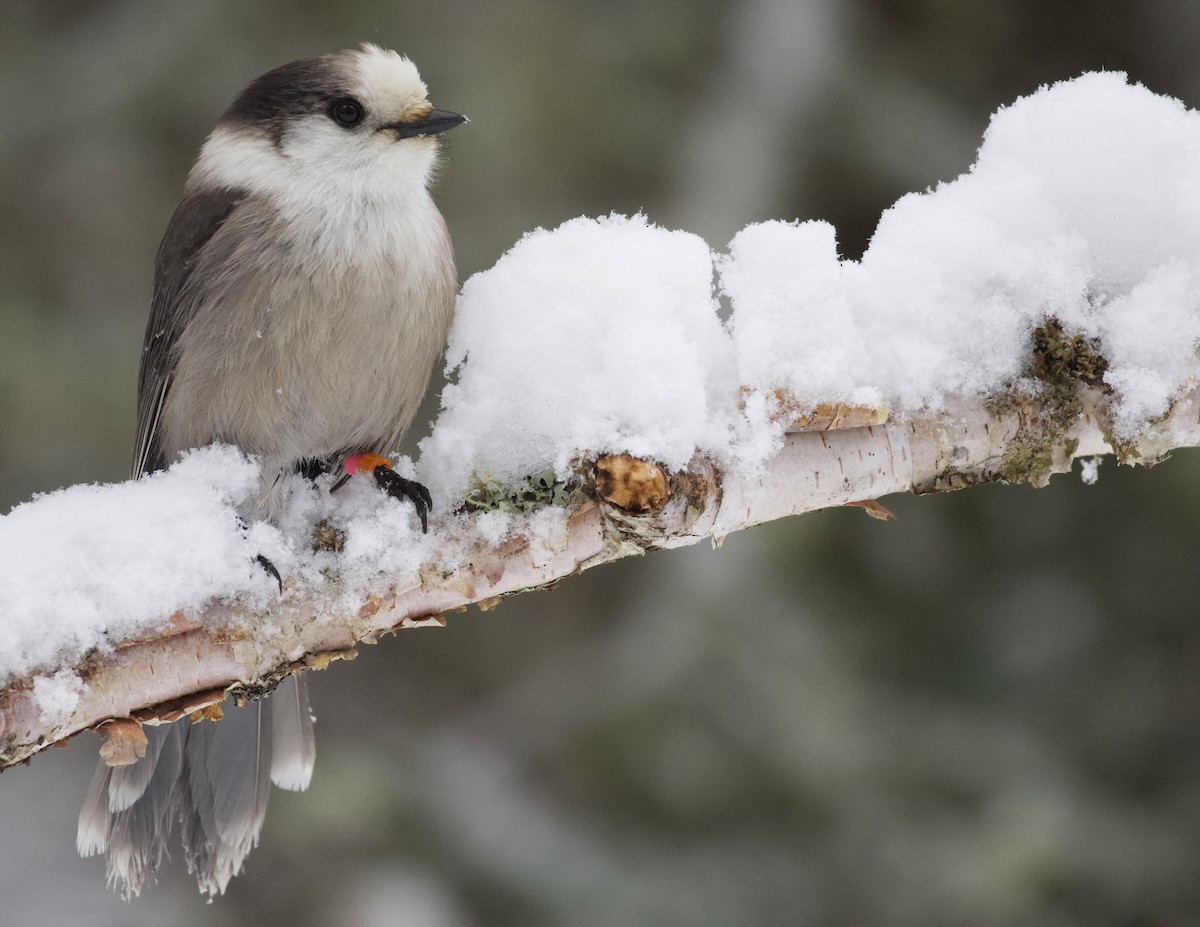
(302, 291)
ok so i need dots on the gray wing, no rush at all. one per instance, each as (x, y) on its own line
(196, 219)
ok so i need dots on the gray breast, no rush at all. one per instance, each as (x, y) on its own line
(304, 345)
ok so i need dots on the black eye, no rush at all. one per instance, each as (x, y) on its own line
(346, 112)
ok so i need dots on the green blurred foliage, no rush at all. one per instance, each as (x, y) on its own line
(983, 713)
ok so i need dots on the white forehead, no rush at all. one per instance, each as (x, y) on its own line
(384, 76)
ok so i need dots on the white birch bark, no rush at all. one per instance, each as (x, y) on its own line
(634, 506)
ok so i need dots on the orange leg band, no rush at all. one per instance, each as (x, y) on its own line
(365, 463)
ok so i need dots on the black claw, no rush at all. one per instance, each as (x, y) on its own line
(270, 568)
(262, 561)
(398, 487)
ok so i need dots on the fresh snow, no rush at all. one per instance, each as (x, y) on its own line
(1083, 203)
(604, 335)
(90, 566)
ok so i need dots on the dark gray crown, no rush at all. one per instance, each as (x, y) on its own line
(296, 89)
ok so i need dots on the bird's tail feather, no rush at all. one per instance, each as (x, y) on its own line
(214, 778)
(294, 749)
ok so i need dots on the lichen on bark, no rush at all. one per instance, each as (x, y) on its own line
(1047, 402)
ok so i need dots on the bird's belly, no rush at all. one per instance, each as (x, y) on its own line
(293, 388)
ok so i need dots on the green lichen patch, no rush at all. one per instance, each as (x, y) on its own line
(1047, 403)
(1029, 457)
(488, 494)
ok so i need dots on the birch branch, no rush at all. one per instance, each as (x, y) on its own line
(629, 506)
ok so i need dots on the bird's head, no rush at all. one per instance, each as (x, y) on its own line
(356, 116)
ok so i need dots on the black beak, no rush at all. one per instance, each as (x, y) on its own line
(435, 122)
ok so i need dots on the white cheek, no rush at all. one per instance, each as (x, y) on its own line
(317, 160)
(237, 160)
(345, 197)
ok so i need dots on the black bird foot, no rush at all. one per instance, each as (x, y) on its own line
(270, 568)
(398, 487)
(261, 560)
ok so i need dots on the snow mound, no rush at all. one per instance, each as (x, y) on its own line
(1083, 203)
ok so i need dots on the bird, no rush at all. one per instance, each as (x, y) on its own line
(303, 289)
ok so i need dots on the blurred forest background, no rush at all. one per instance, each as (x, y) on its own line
(986, 713)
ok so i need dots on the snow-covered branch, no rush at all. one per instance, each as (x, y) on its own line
(1042, 307)
(627, 507)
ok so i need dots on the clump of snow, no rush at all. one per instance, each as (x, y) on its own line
(91, 563)
(1150, 334)
(1083, 203)
(548, 533)
(601, 335)
(89, 566)
(57, 694)
(380, 536)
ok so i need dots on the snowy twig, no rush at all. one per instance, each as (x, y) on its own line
(629, 506)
